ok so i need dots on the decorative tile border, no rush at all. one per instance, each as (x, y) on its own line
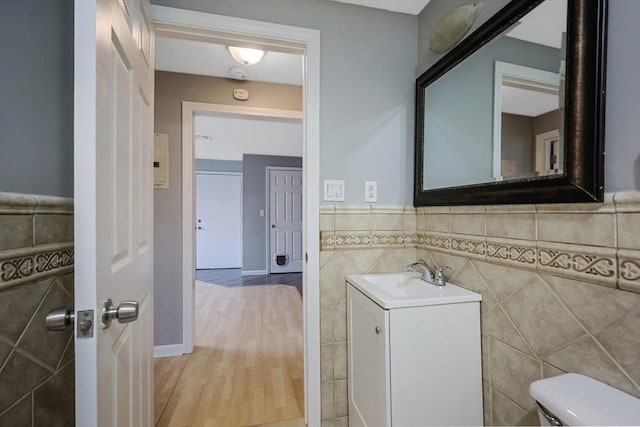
(30, 264)
(611, 265)
(354, 240)
(470, 246)
(327, 240)
(435, 241)
(629, 270)
(410, 240)
(515, 253)
(587, 263)
(387, 239)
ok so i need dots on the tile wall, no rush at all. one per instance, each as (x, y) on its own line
(354, 239)
(36, 276)
(560, 286)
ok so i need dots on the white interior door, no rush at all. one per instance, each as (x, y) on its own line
(218, 220)
(285, 220)
(113, 140)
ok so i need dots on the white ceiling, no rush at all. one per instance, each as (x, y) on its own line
(207, 59)
(543, 25)
(412, 7)
(528, 103)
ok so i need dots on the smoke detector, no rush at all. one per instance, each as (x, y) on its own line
(238, 73)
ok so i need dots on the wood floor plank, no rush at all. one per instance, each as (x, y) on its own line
(247, 366)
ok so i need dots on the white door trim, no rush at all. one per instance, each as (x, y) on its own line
(267, 217)
(306, 41)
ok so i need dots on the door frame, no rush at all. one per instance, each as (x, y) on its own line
(196, 173)
(267, 217)
(197, 25)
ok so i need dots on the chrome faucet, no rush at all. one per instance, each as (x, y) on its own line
(435, 276)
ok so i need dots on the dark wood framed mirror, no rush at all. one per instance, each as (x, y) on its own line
(472, 144)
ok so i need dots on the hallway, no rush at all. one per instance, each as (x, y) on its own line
(234, 277)
(247, 366)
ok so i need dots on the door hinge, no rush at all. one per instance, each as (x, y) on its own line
(306, 257)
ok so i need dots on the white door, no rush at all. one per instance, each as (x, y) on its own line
(113, 140)
(218, 220)
(285, 220)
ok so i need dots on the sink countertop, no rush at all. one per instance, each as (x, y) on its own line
(401, 290)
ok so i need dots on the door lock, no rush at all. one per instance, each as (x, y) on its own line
(63, 318)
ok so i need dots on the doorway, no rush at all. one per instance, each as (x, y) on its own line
(201, 25)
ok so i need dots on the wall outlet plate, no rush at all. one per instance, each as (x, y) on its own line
(370, 191)
(333, 190)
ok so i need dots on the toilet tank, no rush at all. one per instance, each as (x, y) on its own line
(576, 400)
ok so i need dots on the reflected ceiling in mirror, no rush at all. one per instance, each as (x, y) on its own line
(502, 117)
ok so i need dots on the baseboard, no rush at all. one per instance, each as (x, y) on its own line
(171, 350)
(254, 272)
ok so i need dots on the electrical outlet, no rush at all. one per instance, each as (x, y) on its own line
(370, 191)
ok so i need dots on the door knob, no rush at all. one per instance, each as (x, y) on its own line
(60, 319)
(273, 226)
(199, 228)
(126, 312)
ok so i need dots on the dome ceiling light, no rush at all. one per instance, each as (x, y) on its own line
(245, 55)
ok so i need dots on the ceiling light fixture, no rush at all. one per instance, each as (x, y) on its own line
(453, 26)
(245, 55)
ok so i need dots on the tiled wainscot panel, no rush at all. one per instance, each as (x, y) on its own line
(36, 276)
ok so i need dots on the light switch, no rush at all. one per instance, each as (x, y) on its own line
(333, 190)
(261, 212)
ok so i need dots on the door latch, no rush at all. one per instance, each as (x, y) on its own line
(63, 319)
(85, 324)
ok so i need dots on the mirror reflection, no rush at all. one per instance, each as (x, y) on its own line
(498, 115)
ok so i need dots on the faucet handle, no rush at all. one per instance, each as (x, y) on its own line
(440, 279)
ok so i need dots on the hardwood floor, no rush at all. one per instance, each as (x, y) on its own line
(247, 367)
(234, 277)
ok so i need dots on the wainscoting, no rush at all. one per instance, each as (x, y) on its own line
(36, 275)
(560, 286)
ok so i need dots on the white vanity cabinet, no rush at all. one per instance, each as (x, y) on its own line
(413, 365)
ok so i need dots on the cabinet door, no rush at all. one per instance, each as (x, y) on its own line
(369, 388)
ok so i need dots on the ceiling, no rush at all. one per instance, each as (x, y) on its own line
(202, 58)
(412, 7)
(208, 59)
(543, 25)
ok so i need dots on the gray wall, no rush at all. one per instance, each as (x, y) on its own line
(519, 135)
(208, 165)
(547, 121)
(36, 97)
(622, 133)
(622, 163)
(171, 89)
(459, 112)
(368, 60)
(254, 198)
(518, 142)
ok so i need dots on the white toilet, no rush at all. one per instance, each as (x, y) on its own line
(576, 400)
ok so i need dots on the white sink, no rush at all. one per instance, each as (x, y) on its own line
(397, 290)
